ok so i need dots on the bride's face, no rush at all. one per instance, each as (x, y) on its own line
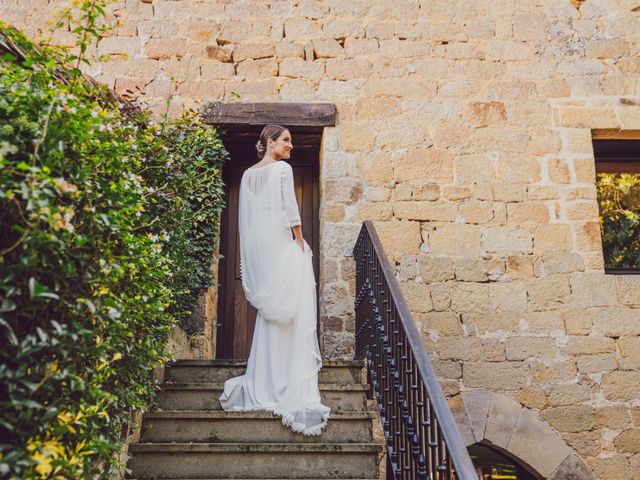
(281, 147)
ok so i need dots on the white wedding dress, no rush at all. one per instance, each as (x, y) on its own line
(278, 280)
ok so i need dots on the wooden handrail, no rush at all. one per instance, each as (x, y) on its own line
(422, 437)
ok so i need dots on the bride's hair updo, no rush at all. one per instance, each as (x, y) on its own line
(270, 131)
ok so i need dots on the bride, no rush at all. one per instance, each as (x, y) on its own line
(278, 280)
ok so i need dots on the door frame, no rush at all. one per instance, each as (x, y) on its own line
(238, 124)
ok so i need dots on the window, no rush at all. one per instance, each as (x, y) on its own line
(618, 186)
(492, 465)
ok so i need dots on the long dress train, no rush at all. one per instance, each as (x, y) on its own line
(278, 280)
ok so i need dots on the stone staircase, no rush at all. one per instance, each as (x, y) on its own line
(191, 437)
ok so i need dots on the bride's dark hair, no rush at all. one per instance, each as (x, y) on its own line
(270, 131)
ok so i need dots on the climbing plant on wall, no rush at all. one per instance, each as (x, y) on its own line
(107, 229)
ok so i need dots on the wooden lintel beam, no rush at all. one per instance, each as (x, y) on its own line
(286, 114)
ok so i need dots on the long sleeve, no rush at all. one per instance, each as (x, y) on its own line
(289, 202)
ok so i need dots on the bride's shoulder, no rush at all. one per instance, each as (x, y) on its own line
(285, 166)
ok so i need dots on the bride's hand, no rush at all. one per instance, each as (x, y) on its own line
(300, 242)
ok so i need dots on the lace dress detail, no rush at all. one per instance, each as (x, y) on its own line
(278, 280)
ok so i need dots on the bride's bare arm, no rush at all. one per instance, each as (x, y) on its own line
(297, 231)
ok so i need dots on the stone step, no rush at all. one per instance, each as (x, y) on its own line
(249, 460)
(218, 371)
(204, 396)
(259, 427)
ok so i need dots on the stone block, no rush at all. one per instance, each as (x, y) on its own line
(455, 239)
(417, 296)
(588, 345)
(587, 236)
(499, 376)
(553, 236)
(435, 269)
(433, 163)
(568, 394)
(628, 289)
(542, 192)
(343, 28)
(614, 466)
(502, 418)
(581, 210)
(621, 386)
(546, 322)
(537, 444)
(263, 68)
(296, 28)
(521, 348)
(478, 212)
(519, 266)
(220, 53)
(532, 397)
(456, 406)
(440, 296)
(548, 293)
(425, 211)
(476, 404)
(447, 369)
(506, 240)
(340, 69)
(484, 114)
(628, 441)
(554, 262)
(578, 321)
(398, 237)
(254, 50)
(356, 136)
(470, 269)
(507, 297)
(558, 171)
(482, 323)
(470, 297)
(629, 352)
(616, 321)
(615, 417)
(597, 363)
(527, 215)
(552, 372)
(335, 300)
(455, 192)
(377, 211)
(582, 117)
(530, 25)
(570, 418)
(572, 469)
(298, 68)
(443, 323)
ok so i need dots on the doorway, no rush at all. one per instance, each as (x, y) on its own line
(240, 131)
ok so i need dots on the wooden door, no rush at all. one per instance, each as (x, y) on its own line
(236, 317)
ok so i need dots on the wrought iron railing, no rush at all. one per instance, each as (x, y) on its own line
(422, 438)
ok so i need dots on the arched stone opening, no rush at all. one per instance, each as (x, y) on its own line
(500, 422)
(491, 463)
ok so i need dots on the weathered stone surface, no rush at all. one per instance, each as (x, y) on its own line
(629, 289)
(455, 239)
(508, 297)
(398, 238)
(444, 323)
(572, 469)
(568, 394)
(417, 296)
(502, 418)
(621, 386)
(476, 404)
(578, 321)
(629, 352)
(550, 292)
(460, 416)
(628, 441)
(470, 297)
(597, 363)
(532, 397)
(553, 236)
(616, 321)
(435, 269)
(521, 348)
(432, 163)
(570, 418)
(495, 376)
(537, 444)
(507, 240)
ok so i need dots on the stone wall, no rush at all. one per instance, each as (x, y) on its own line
(464, 131)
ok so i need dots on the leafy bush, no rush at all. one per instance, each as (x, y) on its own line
(107, 228)
(619, 202)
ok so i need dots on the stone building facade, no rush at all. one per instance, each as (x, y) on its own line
(464, 131)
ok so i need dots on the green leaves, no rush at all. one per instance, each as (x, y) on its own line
(619, 204)
(107, 228)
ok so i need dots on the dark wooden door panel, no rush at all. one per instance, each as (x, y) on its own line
(236, 317)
